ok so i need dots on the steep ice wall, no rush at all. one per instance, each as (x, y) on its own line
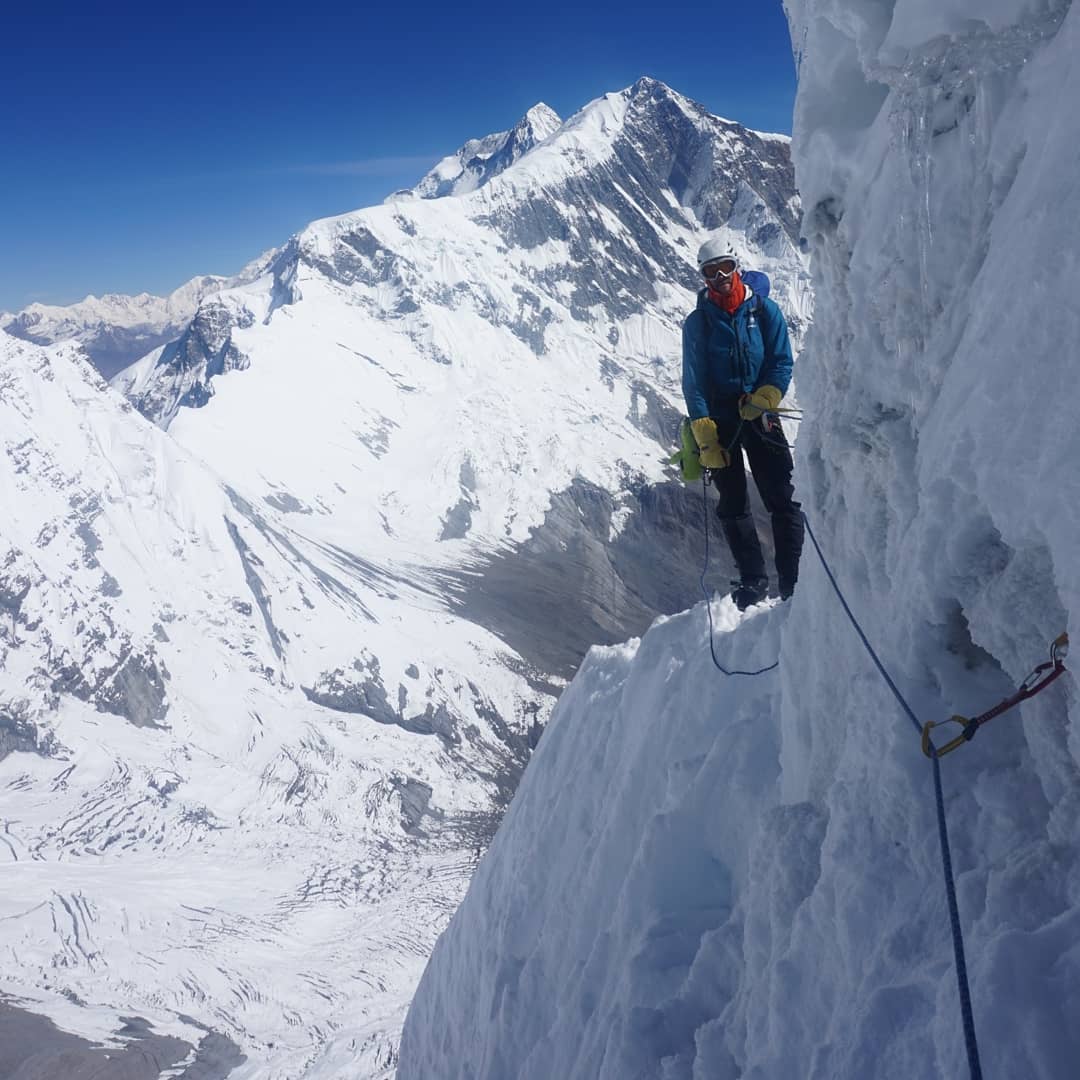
(709, 878)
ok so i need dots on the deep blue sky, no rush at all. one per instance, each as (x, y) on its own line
(141, 149)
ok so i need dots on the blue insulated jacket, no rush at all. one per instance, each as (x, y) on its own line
(729, 355)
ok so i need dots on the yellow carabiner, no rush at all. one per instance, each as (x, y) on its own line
(950, 746)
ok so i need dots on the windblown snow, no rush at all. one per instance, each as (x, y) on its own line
(704, 878)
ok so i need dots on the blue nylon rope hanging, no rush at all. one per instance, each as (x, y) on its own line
(708, 601)
(970, 1041)
(967, 1013)
(966, 1010)
(859, 630)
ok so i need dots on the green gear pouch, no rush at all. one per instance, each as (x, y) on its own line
(686, 457)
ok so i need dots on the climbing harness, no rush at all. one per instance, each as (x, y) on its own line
(1036, 682)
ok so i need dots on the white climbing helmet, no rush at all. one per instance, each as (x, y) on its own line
(718, 248)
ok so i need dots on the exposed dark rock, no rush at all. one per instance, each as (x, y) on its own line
(14, 590)
(651, 414)
(361, 691)
(415, 798)
(165, 783)
(186, 367)
(286, 503)
(136, 692)
(377, 439)
(258, 590)
(91, 541)
(133, 688)
(32, 1047)
(19, 733)
(458, 520)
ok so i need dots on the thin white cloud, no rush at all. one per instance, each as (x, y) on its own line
(384, 166)
(380, 166)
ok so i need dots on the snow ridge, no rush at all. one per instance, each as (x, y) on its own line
(481, 159)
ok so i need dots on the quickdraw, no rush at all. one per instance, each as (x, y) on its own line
(1036, 682)
(770, 422)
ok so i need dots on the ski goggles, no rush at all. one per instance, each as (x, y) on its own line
(719, 268)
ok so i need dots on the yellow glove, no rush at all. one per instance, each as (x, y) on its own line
(763, 399)
(713, 455)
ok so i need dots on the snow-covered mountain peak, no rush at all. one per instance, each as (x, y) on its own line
(531, 251)
(542, 120)
(117, 329)
(649, 91)
(475, 163)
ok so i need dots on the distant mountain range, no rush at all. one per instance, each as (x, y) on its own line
(116, 330)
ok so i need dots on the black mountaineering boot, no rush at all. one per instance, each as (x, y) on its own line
(749, 591)
(787, 587)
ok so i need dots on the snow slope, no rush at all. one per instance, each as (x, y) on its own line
(242, 773)
(710, 878)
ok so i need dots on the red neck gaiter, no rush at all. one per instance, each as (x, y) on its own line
(733, 299)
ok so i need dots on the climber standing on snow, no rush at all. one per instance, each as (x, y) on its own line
(736, 369)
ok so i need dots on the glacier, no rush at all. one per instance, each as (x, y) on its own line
(704, 878)
(214, 796)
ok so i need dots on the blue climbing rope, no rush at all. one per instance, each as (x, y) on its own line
(943, 829)
(859, 630)
(708, 601)
(966, 1010)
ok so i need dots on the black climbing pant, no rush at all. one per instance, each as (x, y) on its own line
(771, 466)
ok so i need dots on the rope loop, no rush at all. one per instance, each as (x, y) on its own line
(705, 590)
